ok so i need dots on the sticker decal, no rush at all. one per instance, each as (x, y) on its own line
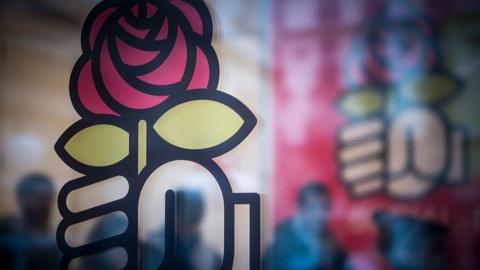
(146, 89)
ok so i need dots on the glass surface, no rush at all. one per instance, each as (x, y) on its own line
(366, 151)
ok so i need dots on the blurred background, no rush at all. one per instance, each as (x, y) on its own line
(366, 153)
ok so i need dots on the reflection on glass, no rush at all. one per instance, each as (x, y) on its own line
(305, 241)
(26, 241)
(191, 249)
(197, 241)
(410, 243)
(115, 259)
(394, 107)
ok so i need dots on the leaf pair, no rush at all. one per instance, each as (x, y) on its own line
(199, 121)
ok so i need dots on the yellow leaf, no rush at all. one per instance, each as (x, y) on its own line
(99, 145)
(362, 103)
(429, 89)
(198, 124)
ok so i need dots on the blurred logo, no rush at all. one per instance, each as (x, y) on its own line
(398, 138)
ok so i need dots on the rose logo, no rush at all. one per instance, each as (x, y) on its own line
(136, 62)
(145, 87)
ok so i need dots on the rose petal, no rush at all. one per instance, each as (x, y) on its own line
(138, 33)
(163, 33)
(88, 94)
(172, 69)
(119, 89)
(201, 75)
(191, 14)
(151, 10)
(98, 24)
(133, 56)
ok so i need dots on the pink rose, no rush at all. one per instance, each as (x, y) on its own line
(135, 55)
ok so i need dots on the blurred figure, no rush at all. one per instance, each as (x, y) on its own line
(408, 243)
(191, 251)
(26, 241)
(113, 258)
(305, 241)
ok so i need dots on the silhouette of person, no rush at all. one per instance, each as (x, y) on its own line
(113, 258)
(304, 241)
(409, 243)
(191, 251)
(26, 241)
